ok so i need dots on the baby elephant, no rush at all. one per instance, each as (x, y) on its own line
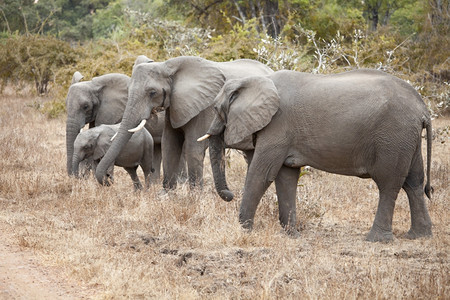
(93, 144)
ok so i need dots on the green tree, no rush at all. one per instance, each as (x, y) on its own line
(33, 59)
(107, 19)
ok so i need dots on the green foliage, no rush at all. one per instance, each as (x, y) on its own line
(322, 36)
(66, 19)
(239, 42)
(53, 109)
(33, 59)
(106, 20)
(409, 18)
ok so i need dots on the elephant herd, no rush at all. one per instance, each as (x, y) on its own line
(362, 123)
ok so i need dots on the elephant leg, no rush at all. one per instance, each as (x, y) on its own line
(182, 169)
(389, 182)
(381, 230)
(195, 155)
(248, 156)
(262, 171)
(134, 177)
(147, 168)
(195, 151)
(155, 176)
(286, 187)
(255, 187)
(266, 163)
(147, 176)
(413, 186)
(172, 145)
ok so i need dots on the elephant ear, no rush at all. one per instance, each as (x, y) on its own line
(252, 103)
(103, 141)
(195, 84)
(112, 92)
(76, 77)
(142, 59)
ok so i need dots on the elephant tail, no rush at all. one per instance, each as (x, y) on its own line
(428, 188)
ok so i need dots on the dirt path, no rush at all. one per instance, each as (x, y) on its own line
(22, 276)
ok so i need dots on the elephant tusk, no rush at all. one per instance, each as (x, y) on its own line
(201, 139)
(113, 137)
(139, 127)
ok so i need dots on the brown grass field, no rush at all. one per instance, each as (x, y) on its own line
(113, 243)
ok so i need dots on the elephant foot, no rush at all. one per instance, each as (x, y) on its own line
(247, 225)
(137, 187)
(415, 233)
(182, 179)
(291, 232)
(376, 234)
(108, 181)
(163, 193)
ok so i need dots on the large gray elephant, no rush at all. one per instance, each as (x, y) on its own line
(361, 123)
(185, 87)
(102, 100)
(93, 143)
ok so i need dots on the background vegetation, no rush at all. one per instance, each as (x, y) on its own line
(43, 42)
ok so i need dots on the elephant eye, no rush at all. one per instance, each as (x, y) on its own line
(152, 93)
(85, 106)
(233, 96)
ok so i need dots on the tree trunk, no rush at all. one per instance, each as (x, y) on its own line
(241, 13)
(373, 10)
(261, 16)
(373, 18)
(272, 16)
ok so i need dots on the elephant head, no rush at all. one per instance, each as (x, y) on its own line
(184, 86)
(243, 107)
(92, 144)
(99, 101)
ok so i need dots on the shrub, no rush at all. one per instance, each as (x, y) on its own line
(238, 43)
(33, 59)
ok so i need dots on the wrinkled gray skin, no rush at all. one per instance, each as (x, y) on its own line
(102, 101)
(361, 123)
(186, 88)
(93, 144)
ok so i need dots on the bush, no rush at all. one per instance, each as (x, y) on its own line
(33, 59)
(238, 43)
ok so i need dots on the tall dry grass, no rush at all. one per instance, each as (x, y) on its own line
(189, 245)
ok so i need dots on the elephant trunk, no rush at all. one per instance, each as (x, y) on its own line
(76, 164)
(73, 127)
(217, 156)
(130, 120)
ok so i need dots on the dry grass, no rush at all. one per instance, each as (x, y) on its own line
(188, 245)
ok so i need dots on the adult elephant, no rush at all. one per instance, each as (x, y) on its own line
(102, 100)
(361, 123)
(185, 87)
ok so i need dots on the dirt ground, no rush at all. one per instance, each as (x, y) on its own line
(24, 276)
